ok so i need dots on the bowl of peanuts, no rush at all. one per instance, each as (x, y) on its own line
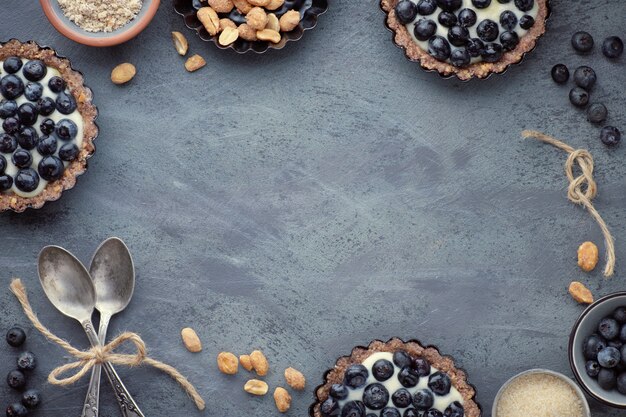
(250, 25)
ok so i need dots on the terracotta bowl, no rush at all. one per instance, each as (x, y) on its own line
(68, 28)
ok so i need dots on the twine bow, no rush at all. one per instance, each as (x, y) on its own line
(86, 360)
(581, 189)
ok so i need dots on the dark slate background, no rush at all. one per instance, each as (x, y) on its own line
(312, 199)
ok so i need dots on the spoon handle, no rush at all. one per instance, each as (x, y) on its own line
(127, 405)
(92, 400)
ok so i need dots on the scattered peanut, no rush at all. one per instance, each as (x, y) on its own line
(256, 387)
(274, 4)
(194, 63)
(123, 73)
(587, 256)
(180, 43)
(209, 19)
(259, 363)
(228, 36)
(282, 399)
(247, 33)
(243, 6)
(221, 6)
(580, 293)
(245, 362)
(191, 340)
(268, 35)
(227, 363)
(272, 22)
(295, 379)
(289, 21)
(257, 18)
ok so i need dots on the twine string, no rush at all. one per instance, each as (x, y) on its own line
(86, 360)
(582, 189)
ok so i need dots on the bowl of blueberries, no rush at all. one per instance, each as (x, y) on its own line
(597, 350)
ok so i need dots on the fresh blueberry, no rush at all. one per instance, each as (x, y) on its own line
(597, 113)
(460, 58)
(27, 114)
(585, 77)
(612, 47)
(353, 409)
(16, 410)
(592, 368)
(439, 48)
(426, 7)
(623, 354)
(592, 345)
(31, 398)
(578, 97)
(609, 357)
(65, 103)
(447, 19)
(411, 412)
(475, 47)
(16, 379)
(47, 126)
(68, 152)
(481, 4)
(608, 328)
(16, 336)
(34, 70)
(8, 143)
(356, 376)
(56, 84)
(423, 399)
(382, 370)
(47, 145)
(467, 18)
(526, 22)
(607, 379)
(6, 182)
(390, 412)
(3, 166)
(492, 52)
(582, 42)
(8, 108)
(402, 398)
(433, 413)
(621, 383)
(620, 315)
(487, 30)
(26, 361)
(330, 408)
(439, 383)
(27, 138)
(12, 65)
(560, 73)
(509, 40)
(22, 158)
(46, 106)
(622, 334)
(11, 87)
(454, 410)
(508, 20)
(504, 1)
(408, 377)
(610, 135)
(406, 11)
(458, 35)
(50, 168)
(524, 5)
(375, 396)
(33, 91)
(11, 125)
(337, 391)
(424, 29)
(422, 366)
(27, 180)
(449, 5)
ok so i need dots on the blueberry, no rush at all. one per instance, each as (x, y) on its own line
(406, 11)
(65, 103)
(6, 182)
(16, 410)
(458, 35)
(622, 334)
(11, 125)
(31, 398)
(26, 361)
(608, 328)
(615, 343)
(487, 30)
(596, 113)
(439, 48)
(47, 145)
(433, 413)
(402, 398)
(422, 366)
(585, 77)
(612, 47)
(371, 415)
(8, 143)
(607, 379)
(68, 152)
(592, 368)
(47, 126)
(524, 5)
(34, 70)
(8, 108)
(46, 106)
(390, 412)
(560, 73)
(467, 18)
(426, 7)
(454, 410)
(27, 114)
(509, 40)
(337, 391)
(411, 412)
(382, 370)
(449, 5)
(330, 408)
(22, 158)
(3, 166)
(424, 29)
(16, 379)
(11, 87)
(592, 345)
(56, 84)
(621, 383)
(447, 19)
(609, 357)
(408, 377)
(620, 315)
(27, 180)
(50, 168)
(16, 335)
(353, 409)
(582, 41)
(475, 47)
(508, 20)
(578, 97)
(12, 65)
(423, 399)
(492, 52)
(610, 135)
(623, 354)
(439, 383)
(460, 58)
(33, 91)
(356, 376)
(375, 396)
(526, 22)
(481, 4)
(27, 138)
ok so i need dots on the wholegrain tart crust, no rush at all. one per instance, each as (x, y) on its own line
(402, 38)
(414, 348)
(89, 113)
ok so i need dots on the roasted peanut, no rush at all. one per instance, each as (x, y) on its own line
(123, 73)
(227, 23)
(180, 43)
(580, 293)
(209, 19)
(221, 6)
(227, 363)
(295, 379)
(259, 363)
(268, 35)
(289, 21)
(191, 340)
(243, 6)
(247, 33)
(282, 399)
(257, 18)
(256, 387)
(228, 36)
(246, 362)
(261, 3)
(587, 256)
(194, 63)
(272, 22)
(274, 4)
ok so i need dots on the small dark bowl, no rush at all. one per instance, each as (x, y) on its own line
(310, 10)
(585, 326)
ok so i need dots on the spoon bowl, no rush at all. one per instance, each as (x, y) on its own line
(113, 274)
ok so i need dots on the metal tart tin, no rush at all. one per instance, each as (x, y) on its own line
(312, 10)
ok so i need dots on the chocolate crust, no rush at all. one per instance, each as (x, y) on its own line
(403, 39)
(415, 349)
(89, 113)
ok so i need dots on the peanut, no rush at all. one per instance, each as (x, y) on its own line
(228, 36)
(272, 22)
(123, 73)
(587, 256)
(209, 19)
(227, 23)
(221, 6)
(194, 63)
(274, 4)
(580, 293)
(247, 33)
(191, 340)
(260, 3)
(282, 399)
(227, 363)
(256, 387)
(259, 363)
(289, 21)
(245, 362)
(180, 43)
(257, 18)
(268, 35)
(295, 379)
(243, 6)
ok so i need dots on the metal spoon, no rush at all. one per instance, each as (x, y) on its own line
(113, 274)
(69, 288)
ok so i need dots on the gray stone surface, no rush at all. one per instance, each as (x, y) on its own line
(312, 199)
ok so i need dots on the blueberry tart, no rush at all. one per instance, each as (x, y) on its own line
(395, 379)
(47, 125)
(466, 38)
